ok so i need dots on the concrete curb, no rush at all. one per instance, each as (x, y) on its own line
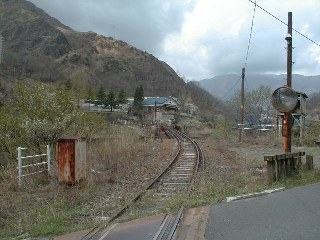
(107, 232)
(255, 194)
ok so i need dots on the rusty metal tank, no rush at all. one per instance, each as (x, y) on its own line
(71, 159)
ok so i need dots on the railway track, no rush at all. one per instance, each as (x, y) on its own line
(181, 173)
(176, 177)
(179, 178)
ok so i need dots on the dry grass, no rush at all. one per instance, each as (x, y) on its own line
(226, 173)
(120, 162)
(234, 168)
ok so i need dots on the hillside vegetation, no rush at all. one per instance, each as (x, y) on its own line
(40, 47)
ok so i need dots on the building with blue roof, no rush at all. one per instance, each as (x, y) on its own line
(161, 109)
(160, 102)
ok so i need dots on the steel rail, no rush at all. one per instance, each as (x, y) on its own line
(149, 185)
(179, 136)
(96, 230)
(167, 231)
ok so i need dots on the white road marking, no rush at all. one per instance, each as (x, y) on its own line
(108, 231)
(255, 194)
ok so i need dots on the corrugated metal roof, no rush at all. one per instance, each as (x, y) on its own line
(151, 101)
(160, 101)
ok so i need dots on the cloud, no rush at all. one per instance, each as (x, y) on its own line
(201, 38)
(214, 37)
(142, 23)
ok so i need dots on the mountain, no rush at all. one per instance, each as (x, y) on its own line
(38, 46)
(224, 86)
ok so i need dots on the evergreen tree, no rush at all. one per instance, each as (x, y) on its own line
(122, 98)
(101, 95)
(138, 96)
(138, 101)
(111, 100)
(141, 94)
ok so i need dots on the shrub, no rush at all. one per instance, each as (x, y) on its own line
(37, 114)
(312, 133)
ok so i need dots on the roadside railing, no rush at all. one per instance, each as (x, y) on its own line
(24, 165)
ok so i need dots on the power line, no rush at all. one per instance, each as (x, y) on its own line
(223, 97)
(233, 86)
(242, 118)
(250, 36)
(275, 17)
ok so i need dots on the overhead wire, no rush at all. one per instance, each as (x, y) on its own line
(249, 41)
(283, 22)
(247, 53)
(233, 86)
(227, 93)
(250, 35)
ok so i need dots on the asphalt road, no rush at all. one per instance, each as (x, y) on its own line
(291, 214)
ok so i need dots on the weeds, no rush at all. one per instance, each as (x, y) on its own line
(231, 170)
(120, 161)
(305, 177)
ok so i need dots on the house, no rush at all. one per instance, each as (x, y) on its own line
(168, 104)
(161, 109)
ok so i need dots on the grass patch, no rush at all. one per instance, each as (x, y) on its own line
(48, 218)
(47, 222)
(229, 172)
(212, 193)
(120, 161)
(304, 178)
(206, 192)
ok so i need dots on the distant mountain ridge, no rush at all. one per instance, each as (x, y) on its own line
(224, 86)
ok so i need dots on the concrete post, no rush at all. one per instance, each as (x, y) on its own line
(49, 158)
(19, 166)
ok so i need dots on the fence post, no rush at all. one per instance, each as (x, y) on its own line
(49, 158)
(19, 166)
(309, 162)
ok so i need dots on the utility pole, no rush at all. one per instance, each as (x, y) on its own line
(1, 48)
(287, 119)
(155, 111)
(242, 104)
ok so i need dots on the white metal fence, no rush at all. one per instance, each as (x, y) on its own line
(23, 163)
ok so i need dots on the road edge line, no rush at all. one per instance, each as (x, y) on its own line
(255, 194)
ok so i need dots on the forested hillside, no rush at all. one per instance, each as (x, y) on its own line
(38, 46)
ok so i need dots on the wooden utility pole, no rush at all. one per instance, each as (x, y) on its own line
(155, 111)
(302, 127)
(287, 119)
(242, 105)
(1, 48)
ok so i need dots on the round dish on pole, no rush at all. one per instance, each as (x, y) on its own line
(285, 99)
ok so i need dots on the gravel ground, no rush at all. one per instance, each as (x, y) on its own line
(257, 152)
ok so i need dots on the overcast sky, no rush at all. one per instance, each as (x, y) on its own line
(201, 38)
